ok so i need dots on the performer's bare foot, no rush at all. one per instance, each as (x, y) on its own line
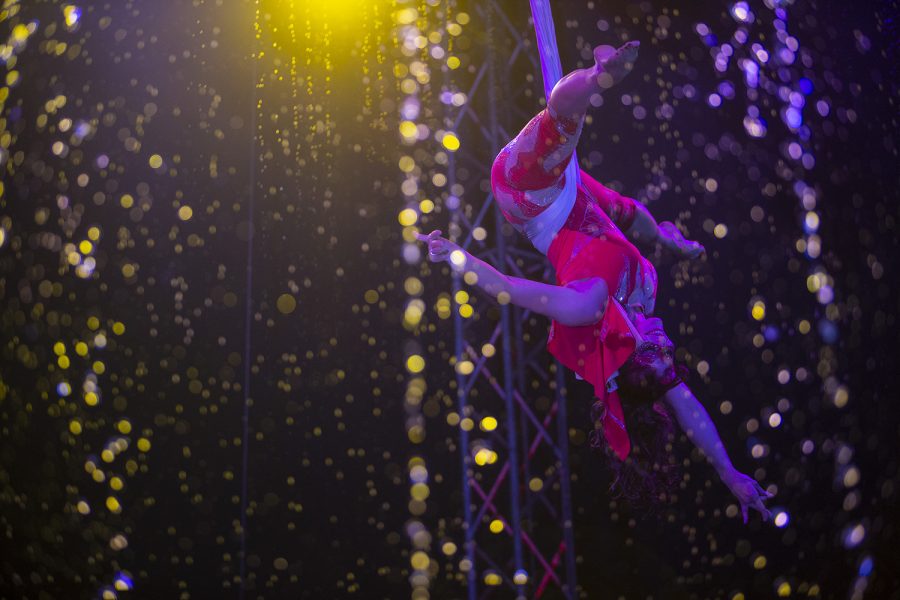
(612, 65)
(572, 94)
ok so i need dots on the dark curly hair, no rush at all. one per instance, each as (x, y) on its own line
(650, 474)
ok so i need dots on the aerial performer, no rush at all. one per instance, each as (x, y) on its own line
(601, 307)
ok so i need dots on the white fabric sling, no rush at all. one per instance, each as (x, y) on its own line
(541, 229)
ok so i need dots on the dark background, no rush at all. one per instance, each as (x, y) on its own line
(327, 488)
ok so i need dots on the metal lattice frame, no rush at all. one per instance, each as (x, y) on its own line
(528, 488)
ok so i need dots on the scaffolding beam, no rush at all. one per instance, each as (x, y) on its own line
(527, 490)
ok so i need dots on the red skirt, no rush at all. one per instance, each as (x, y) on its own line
(596, 352)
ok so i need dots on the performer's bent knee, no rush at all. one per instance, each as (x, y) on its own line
(536, 158)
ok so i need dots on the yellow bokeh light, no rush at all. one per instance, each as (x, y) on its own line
(20, 33)
(122, 585)
(496, 526)
(406, 16)
(75, 427)
(286, 304)
(415, 363)
(419, 561)
(143, 444)
(408, 217)
(419, 491)
(71, 14)
(156, 161)
(464, 367)
(841, 396)
(408, 129)
(451, 142)
(488, 424)
(759, 310)
(113, 504)
(185, 213)
(485, 456)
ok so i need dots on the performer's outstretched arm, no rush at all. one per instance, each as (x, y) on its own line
(581, 302)
(698, 426)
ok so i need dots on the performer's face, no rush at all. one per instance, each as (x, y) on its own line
(663, 362)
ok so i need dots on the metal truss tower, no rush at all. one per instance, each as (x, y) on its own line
(517, 503)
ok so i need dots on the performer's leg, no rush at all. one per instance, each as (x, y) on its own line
(537, 157)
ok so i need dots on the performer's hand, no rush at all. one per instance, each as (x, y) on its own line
(439, 249)
(671, 239)
(748, 492)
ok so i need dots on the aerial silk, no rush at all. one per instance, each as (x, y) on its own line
(541, 229)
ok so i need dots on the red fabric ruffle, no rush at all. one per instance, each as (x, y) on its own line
(598, 350)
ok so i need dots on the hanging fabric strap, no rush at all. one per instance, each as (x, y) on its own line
(551, 67)
(542, 229)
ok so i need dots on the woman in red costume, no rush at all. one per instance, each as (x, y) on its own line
(602, 304)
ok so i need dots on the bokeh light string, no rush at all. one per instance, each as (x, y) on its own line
(783, 71)
(77, 339)
(454, 101)
(294, 131)
(417, 34)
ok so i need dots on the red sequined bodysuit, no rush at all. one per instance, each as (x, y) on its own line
(527, 176)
